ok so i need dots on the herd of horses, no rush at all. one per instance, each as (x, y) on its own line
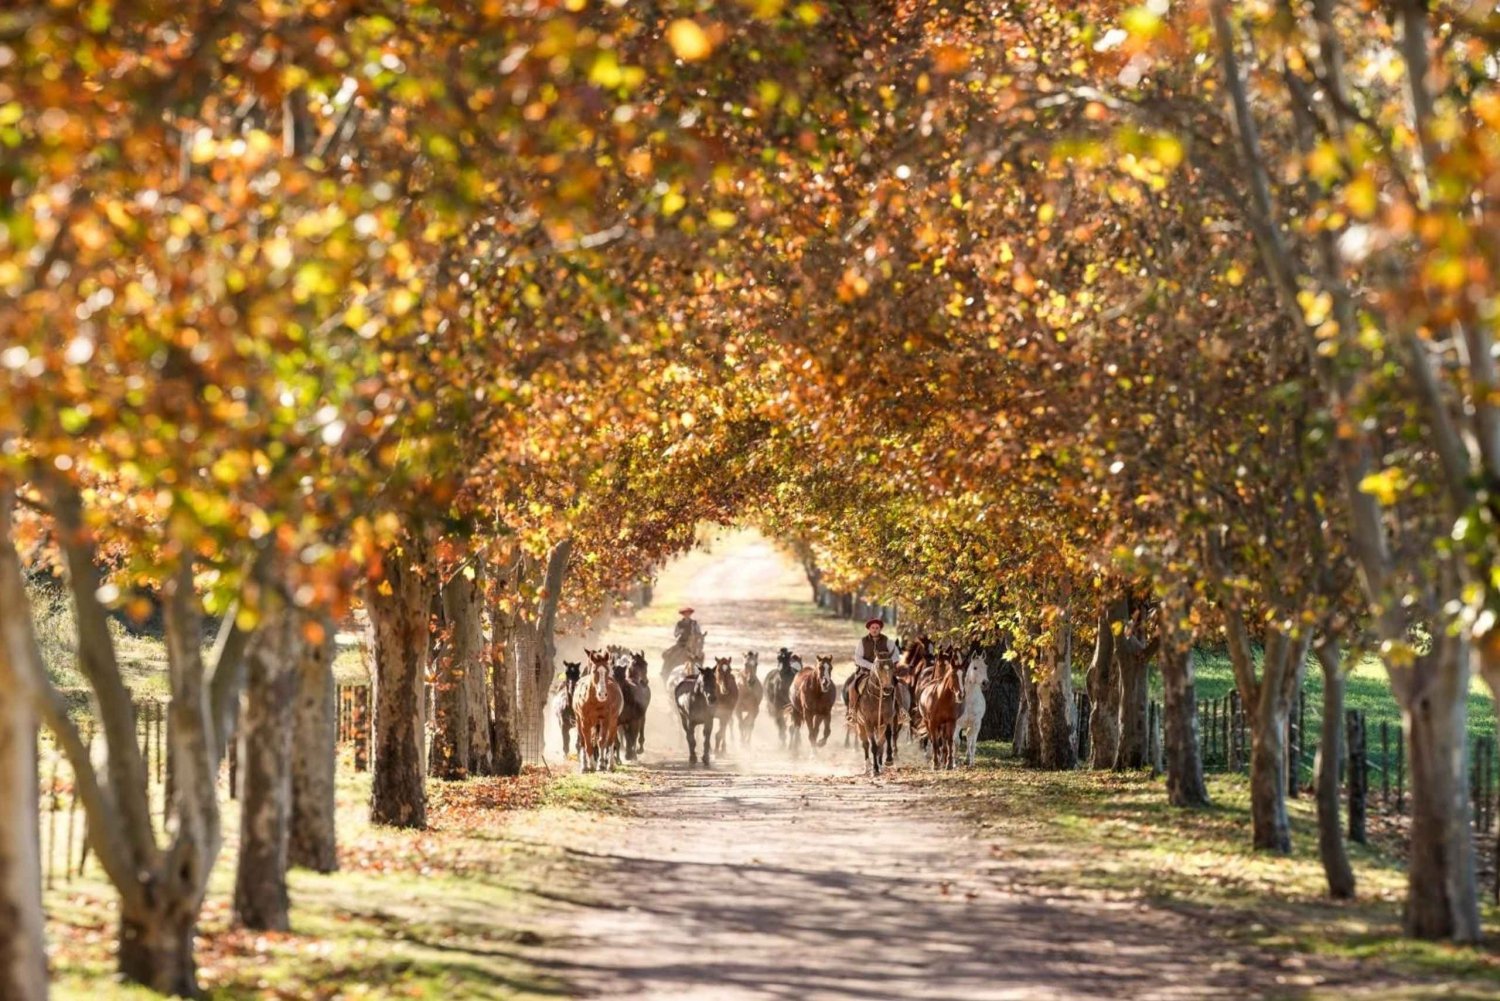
(934, 693)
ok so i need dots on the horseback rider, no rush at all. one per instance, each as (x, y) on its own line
(872, 645)
(687, 632)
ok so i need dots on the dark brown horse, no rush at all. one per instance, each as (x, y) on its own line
(751, 692)
(872, 710)
(562, 702)
(728, 701)
(812, 699)
(779, 690)
(695, 696)
(631, 674)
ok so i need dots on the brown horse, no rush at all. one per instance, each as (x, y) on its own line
(631, 674)
(942, 701)
(729, 699)
(872, 709)
(751, 692)
(813, 696)
(597, 703)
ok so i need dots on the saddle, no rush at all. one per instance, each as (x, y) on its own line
(862, 676)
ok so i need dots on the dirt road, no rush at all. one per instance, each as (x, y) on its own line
(771, 878)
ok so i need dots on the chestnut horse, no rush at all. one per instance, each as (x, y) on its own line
(812, 699)
(562, 701)
(942, 701)
(751, 692)
(597, 703)
(728, 701)
(695, 696)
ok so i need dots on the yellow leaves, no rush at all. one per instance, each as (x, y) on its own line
(1385, 486)
(722, 219)
(672, 202)
(1448, 272)
(689, 42)
(1361, 196)
(384, 589)
(1315, 306)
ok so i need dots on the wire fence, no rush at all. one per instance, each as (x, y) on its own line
(63, 829)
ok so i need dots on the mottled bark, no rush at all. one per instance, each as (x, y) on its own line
(1027, 743)
(1267, 696)
(505, 741)
(314, 843)
(260, 891)
(1442, 901)
(398, 605)
(450, 695)
(23, 956)
(1055, 710)
(1331, 848)
(1133, 671)
(1184, 765)
(469, 649)
(1104, 686)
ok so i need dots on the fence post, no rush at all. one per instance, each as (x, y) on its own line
(1293, 748)
(1355, 726)
(362, 729)
(51, 800)
(1400, 769)
(1083, 710)
(1385, 763)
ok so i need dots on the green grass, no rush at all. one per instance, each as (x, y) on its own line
(443, 913)
(1368, 690)
(1118, 838)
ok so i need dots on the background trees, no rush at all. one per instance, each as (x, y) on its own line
(1079, 326)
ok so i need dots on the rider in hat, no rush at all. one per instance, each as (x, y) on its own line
(873, 644)
(687, 631)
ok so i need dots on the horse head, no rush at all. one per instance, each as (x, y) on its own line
(825, 672)
(977, 673)
(706, 683)
(883, 669)
(572, 671)
(752, 664)
(638, 668)
(791, 666)
(783, 658)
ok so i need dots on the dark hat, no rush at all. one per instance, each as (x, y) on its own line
(684, 611)
(874, 622)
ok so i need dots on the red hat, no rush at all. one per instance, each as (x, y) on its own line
(684, 611)
(874, 622)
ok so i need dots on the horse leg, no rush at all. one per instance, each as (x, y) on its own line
(692, 742)
(708, 738)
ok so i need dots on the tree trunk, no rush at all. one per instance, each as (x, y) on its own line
(1331, 847)
(23, 956)
(1268, 704)
(537, 652)
(1441, 900)
(1055, 705)
(505, 739)
(398, 615)
(1185, 785)
(1133, 667)
(313, 844)
(1104, 687)
(260, 893)
(156, 946)
(1027, 744)
(469, 650)
(450, 692)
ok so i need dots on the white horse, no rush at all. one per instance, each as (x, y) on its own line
(971, 716)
